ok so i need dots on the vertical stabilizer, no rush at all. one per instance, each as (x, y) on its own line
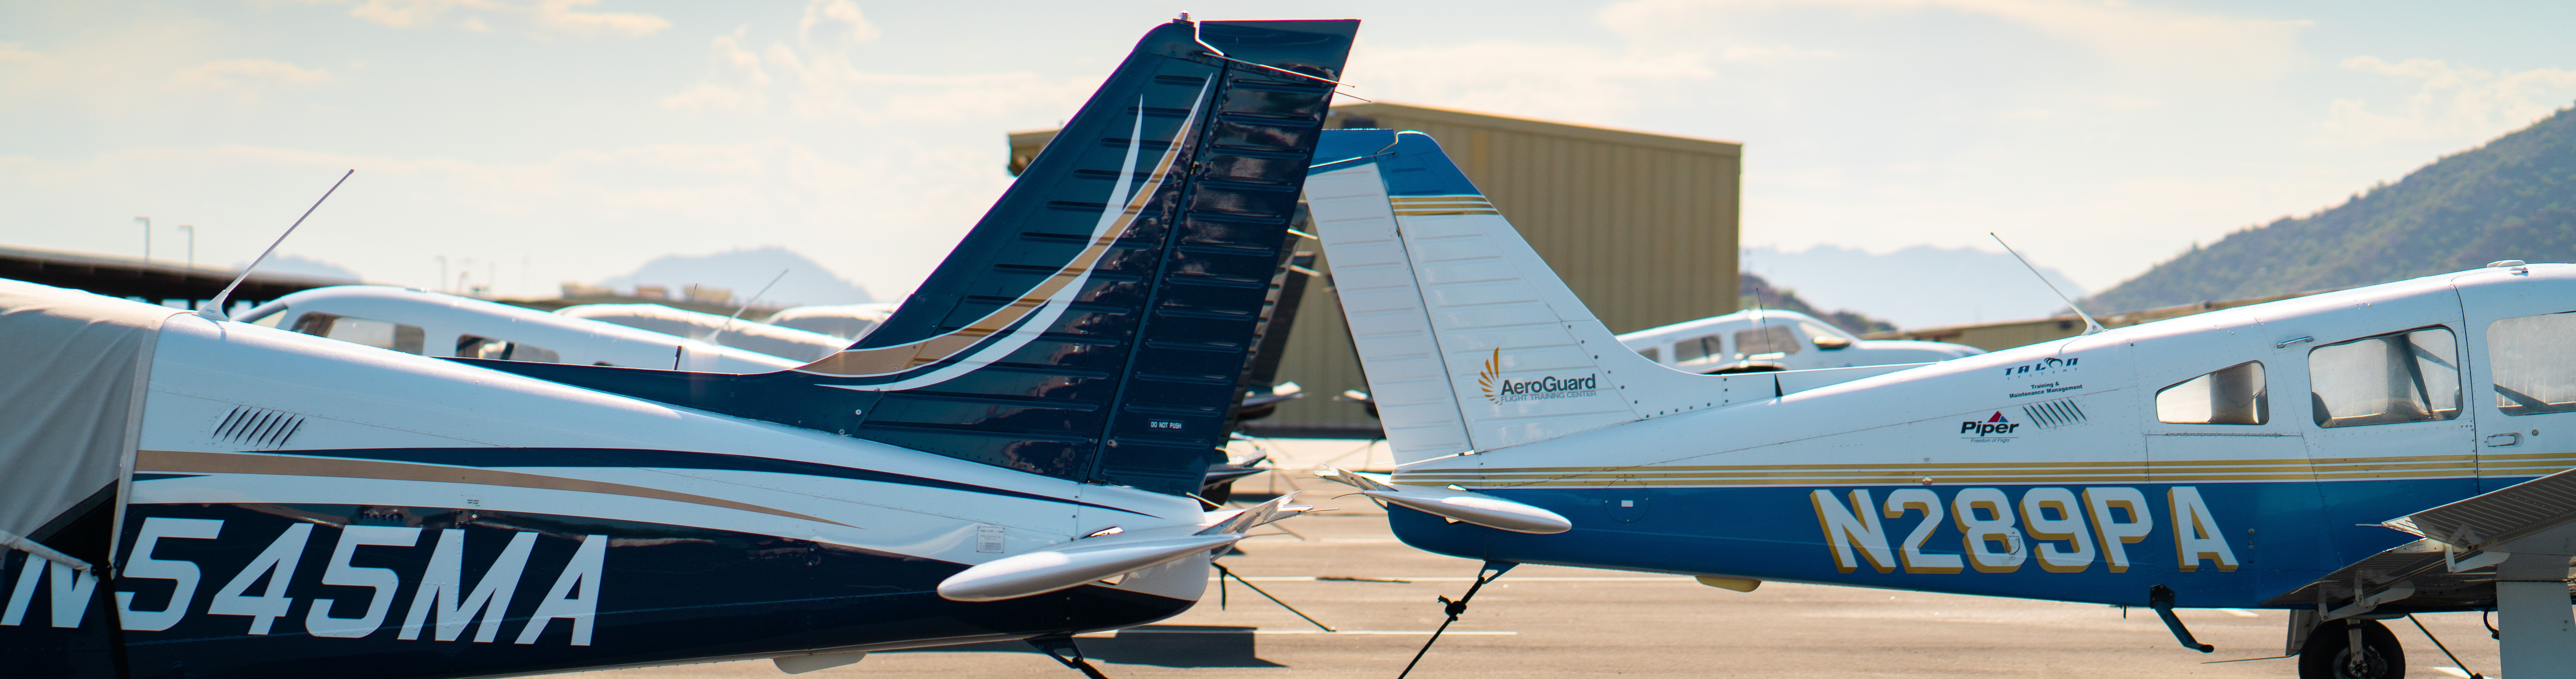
(1469, 340)
(1095, 325)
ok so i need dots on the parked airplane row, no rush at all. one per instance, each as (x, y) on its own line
(191, 495)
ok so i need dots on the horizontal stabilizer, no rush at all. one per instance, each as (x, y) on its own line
(2493, 519)
(1073, 564)
(1463, 505)
(1092, 559)
(2536, 516)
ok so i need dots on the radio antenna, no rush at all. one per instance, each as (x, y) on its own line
(215, 310)
(746, 306)
(2090, 326)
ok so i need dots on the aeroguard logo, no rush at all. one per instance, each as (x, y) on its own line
(1501, 390)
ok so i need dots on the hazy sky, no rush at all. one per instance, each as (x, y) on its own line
(575, 139)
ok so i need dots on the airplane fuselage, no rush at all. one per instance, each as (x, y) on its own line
(2058, 471)
(335, 510)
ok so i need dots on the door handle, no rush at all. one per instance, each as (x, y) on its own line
(2502, 440)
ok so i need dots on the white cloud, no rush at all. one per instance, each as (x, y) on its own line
(819, 79)
(542, 18)
(564, 16)
(243, 80)
(1764, 55)
(2454, 104)
(2179, 45)
(23, 72)
(1564, 81)
(822, 13)
(881, 218)
(151, 68)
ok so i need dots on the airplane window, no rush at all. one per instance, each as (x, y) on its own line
(2410, 376)
(2230, 395)
(408, 339)
(1650, 354)
(269, 319)
(1774, 339)
(470, 346)
(1698, 349)
(2534, 371)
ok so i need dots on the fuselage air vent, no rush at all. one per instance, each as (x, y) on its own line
(2054, 414)
(249, 428)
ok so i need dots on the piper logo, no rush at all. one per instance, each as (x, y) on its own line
(1988, 428)
(1499, 389)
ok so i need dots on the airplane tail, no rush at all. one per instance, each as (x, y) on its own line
(1097, 322)
(1469, 340)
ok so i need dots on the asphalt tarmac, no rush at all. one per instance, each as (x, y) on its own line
(1344, 569)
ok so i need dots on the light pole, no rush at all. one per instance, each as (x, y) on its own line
(147, 237)
(192, 244)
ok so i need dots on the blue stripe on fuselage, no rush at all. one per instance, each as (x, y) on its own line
(666, 594)
(663, 459)
(2283, 535)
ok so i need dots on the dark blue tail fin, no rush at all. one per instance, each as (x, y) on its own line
(1097, 322)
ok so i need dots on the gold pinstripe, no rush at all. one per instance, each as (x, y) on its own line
(1469, 204)
(287, 464)
(2178, 471)
(898, 358)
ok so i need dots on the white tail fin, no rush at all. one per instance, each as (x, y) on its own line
(1469, 340)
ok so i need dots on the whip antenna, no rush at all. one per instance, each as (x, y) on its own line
(215, 310)
(746, 306)
(2090, 326)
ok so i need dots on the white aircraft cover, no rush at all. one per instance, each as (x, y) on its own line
(769, 339)
(71, 402)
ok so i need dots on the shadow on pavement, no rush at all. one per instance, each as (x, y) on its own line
(1158, 645)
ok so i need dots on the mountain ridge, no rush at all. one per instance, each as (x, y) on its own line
(2513, 197)
(743, 271)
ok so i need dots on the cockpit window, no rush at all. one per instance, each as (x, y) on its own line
(1651, 354)
(471, 346)
(1772, 339)
(2230, 395)
(2410, 376)
(1698, 349)
(269, 319)
(2535, 363)
(408, 339)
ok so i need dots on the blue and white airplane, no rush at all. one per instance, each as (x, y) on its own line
(1768, 340)
(1008, 457)
(2161, 465)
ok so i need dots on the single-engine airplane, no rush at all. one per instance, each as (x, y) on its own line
(2159, 465)
(1768, 340)
(1008, 457)
(440, 324)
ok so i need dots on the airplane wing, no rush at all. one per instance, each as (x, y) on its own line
(2453, 567)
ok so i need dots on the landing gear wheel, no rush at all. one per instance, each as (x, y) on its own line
(2328, 654)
